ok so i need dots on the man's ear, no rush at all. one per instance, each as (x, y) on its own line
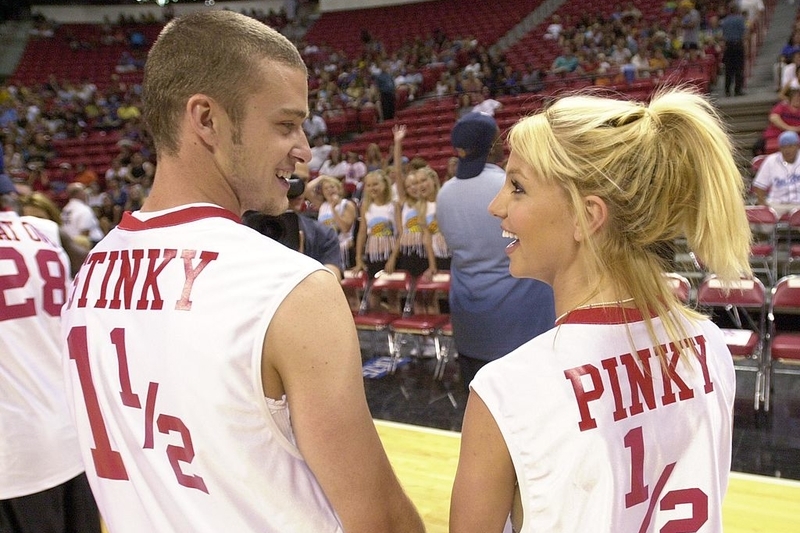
(596, 212)
(204, 116)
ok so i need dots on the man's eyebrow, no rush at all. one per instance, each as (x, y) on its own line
(295, 113)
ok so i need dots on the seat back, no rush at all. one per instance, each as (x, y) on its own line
(763, 222)
(739, 308)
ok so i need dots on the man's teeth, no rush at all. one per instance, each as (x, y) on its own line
(509, 235)
(284, 174)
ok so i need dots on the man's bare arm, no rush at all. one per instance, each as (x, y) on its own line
(311, 351)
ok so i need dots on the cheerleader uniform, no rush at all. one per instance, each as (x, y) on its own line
(412, 255)
(380, 236)
(345, 237)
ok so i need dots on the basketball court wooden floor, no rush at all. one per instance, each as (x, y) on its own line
(425, 460)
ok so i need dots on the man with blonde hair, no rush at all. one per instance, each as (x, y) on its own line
(187, 332)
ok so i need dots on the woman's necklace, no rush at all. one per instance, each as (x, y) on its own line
(615, 303)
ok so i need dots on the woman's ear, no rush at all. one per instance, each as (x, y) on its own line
(596, 212)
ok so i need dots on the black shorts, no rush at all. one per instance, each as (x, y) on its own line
(412, 263)
(66, 508)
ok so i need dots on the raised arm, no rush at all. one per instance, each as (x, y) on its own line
(313, 191)
(345, 219)
(321, 376)
(398, 134)
(483, 491)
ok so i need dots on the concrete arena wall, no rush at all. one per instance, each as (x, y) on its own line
(76, 14)
(342, 5)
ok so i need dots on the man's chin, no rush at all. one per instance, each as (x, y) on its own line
(273, 208)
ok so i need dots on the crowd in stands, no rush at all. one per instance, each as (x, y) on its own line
(601, 50)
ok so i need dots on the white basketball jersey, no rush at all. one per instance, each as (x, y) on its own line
(608, 442)
(38, 443)
(165, 325)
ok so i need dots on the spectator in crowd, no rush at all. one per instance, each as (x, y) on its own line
(80, 221)
(690, 29)
(784, 116)
(377, 230)
(554, 29)
(85, 175)
(486, 104)
(314, 125)
(492, 313)
(355, 172)
(777, 182)
(140, 171)
(386, 88)
(373, 158)
(320, 152)
(734, 29)
(336, 211)
(413, 246)
(334, 165)
(792, 46)
(565, 63)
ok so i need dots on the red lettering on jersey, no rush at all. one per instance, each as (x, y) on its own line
(151, 278)
(127, 277)
(88, 269)
(610, 366)
(185, 303)
(102, 301)
(670, 376)
(36, 235)
(640, 381)
(700, 343)
(584, 396)
(7, 232)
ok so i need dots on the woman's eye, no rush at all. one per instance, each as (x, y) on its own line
(516, 189)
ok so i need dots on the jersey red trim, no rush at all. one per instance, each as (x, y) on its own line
(175, 218)
(602, 315)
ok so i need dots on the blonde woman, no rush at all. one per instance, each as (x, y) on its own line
(413, 248)
(620, 417)
(377, 230)
(428, 185)
(335, 211)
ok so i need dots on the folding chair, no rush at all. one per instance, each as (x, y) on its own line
(354, 283)
(743, 323)
(394, 287)
(444, 348)
(764, 250)
(784, 328)
(422, 326)
(792, 221)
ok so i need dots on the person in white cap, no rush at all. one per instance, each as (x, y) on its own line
(777, 182)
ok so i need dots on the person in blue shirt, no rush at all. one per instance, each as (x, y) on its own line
(492, 312)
